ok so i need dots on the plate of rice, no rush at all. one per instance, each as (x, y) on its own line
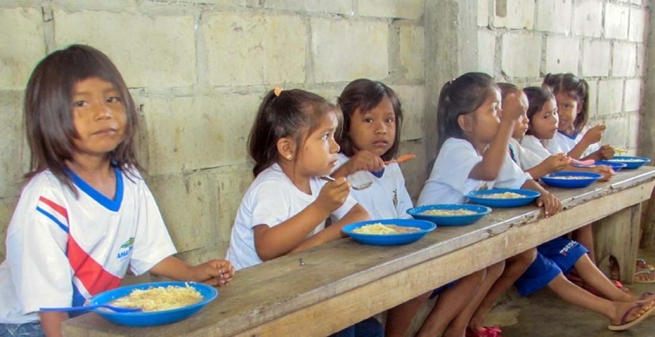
(162, 302)
(450, 214)
(573, 179)
(631, 162)
(388, 232)
(503, 197)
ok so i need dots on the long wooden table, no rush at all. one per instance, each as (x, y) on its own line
(343, 282)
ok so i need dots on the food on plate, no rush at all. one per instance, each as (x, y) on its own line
(160, 298)
(505, 195)
(568, 177)
(446, 212)
(381, 229)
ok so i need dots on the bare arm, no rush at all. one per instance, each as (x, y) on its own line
(333, 232)
(51, 323)
(271, 242)
(494, 157)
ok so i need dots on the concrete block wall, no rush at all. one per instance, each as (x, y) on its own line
(198, 70)
(603, 41)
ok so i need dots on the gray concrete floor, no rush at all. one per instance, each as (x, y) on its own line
(545, 315)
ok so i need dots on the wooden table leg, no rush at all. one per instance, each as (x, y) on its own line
(618, 235)
(648, 224)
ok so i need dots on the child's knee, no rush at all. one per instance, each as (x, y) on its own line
(526, 258)
(495, 270)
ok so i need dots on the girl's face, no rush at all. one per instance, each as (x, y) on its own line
(374, 130)
(568, 108)
(318, 155)
(521, 127)
(99, 117)
(484, 121)
(543, 124)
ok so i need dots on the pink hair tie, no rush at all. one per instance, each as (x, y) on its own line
(277, 91)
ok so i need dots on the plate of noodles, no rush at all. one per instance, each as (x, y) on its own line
(450, 214)
(615, 165)
(162, 302)
(572, 179)
(503, 197)
(631, 162)
(388, 232)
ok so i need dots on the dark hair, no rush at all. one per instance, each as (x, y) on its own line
(461, 96)
(364, 94)
(48, 110)
(506, 89)
(537, 98)
(291, 114)
(574, 87)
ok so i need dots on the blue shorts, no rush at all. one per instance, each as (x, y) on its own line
(23, 330)
(441, 289)
(369, 327)
(554, 257)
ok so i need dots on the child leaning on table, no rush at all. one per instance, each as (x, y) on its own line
(561, 255)
(85, 214)
(286, 206)
(473, 144)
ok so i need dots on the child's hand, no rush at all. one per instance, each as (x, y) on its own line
(595, 134)
(365, 161)
(605, 170)
(214, 272)
(513, 107)
(333, 195)
(550, 203)
(606, 151)
(557, 162)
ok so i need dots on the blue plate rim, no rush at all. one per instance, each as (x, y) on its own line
(589, 175)
(642, 159)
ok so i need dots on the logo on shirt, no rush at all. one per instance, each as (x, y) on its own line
(125, 248)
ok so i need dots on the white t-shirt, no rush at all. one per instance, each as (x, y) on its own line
(526, 158)
(62, 249)
(270, 200)
(387, 197)
(537, 147)
(567, 143)
(449, 180)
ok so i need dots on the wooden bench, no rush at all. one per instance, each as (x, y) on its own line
(343, 282)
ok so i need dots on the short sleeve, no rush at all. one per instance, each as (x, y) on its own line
(455, 163)
(511, 175)
(272, 201)
(36, 248)
(529, 159)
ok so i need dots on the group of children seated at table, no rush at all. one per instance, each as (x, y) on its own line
(85, 214)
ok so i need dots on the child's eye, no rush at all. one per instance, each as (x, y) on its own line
(325, 136)
(113, 99)
(368, 120)
(79, 103)
(390, 120)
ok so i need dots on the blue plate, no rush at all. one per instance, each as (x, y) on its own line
(390, 239)
(208, 293)
(450, 220)
(578, 179)
(615, 165)
(528, 196)
(631, 162)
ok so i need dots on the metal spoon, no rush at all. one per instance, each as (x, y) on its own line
(92, 306)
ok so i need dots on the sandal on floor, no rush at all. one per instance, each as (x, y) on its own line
(644, 271)
(628, 325)
(488, 331)
(642, 264)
